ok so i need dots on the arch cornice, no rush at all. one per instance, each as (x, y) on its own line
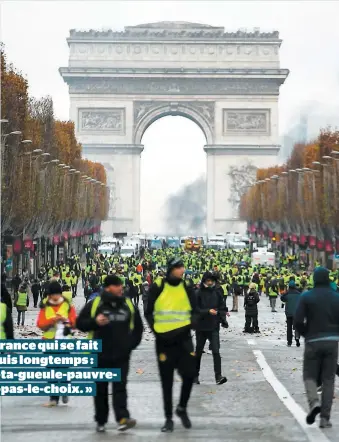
(147, 112)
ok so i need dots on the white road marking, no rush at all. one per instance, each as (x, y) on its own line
(313, 433)
(251, 342)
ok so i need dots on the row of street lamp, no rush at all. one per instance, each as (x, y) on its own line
(38, 153)
(304, 169)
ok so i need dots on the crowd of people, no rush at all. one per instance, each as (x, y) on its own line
(181, 291)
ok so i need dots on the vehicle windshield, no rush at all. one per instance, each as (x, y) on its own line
(213, 246)
(127, 250)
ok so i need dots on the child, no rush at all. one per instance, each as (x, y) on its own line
(251, 309)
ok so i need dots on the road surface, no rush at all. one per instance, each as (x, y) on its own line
(263, 400)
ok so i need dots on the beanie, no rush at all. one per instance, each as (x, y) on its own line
(174, 263)
(291, 284)
(54, 288)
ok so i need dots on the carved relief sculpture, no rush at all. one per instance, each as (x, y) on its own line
(246, 121)
(179, 87)
(242, 177)
(108, 120)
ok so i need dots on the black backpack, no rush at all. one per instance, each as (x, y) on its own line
(251, 299)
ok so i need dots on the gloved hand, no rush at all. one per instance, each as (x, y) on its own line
(224, 324)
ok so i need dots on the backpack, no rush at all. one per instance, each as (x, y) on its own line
(251, 299)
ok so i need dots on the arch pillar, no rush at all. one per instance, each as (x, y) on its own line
(231, 169)
(122, 164)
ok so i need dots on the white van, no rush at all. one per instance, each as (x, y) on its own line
(263, 258)
(218, 239)
(106, 249)
(237, 246)
(127, 250)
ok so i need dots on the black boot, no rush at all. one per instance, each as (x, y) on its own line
(220, 379)
(182, 414)
(168, 426)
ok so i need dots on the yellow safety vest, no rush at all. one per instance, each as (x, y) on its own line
(224, 287)
(68, 281)
(22, 299)
(172, 309)
(3, 315)
(50, 313)
(94, 308)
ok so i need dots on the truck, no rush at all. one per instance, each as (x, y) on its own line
(263, 258)
(193, 244)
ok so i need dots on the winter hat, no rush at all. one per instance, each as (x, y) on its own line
(206, 276)
(54, 288)
(291, 284)
(321, 276)
(174, 263)
(112, 280)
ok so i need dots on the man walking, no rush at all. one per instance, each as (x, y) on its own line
(317, 318)
(291, 299)
(212, 311)
(169, 312)
(112, 318)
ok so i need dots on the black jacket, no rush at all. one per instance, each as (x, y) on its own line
(251, 301)
(8, 325)
(207, 299)
(317, 314)
(35, 289)
(174, 335)
(117, 338)
(6, 297)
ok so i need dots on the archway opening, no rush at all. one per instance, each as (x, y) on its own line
(173, 177)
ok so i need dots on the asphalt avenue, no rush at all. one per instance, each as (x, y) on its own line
(263, 399)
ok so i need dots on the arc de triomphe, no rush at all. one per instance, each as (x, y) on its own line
(227, 83)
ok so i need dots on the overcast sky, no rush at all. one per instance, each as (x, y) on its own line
(35, 37)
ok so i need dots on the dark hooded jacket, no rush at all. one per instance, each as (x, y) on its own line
(118, 340)
(210, 298)
(251, 301)
(291, 300)
(317, 314)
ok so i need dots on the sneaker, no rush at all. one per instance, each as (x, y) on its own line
(297, 341)
(101, 428)
(168, 426)
(289, 344)
(221, 380)
(65, 399)
(182, 414)
(320, 389)
(310, 418)
(196, 381)
(325, 423)
(208, 352)
(51, 404)
(126, 423)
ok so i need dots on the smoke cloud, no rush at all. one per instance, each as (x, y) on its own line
(186, 210)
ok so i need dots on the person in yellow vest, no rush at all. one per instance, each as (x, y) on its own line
(6, 322)
(114, 319)
(56, 319)
(171, 311)
(21, 302)
(74, 284)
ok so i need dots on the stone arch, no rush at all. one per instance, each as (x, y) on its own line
(201, 114)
